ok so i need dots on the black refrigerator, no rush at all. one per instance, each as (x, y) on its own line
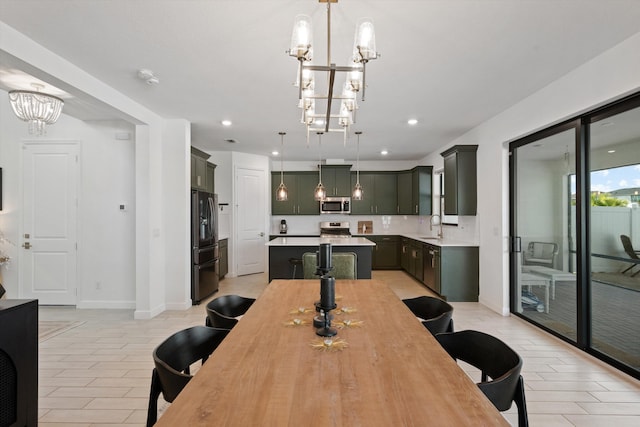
(204, 244)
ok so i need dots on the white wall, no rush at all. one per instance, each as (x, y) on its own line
(153, 226)
(106, 238)
(610, 76)
(176, 188)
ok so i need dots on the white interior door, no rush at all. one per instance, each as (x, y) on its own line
(250, 213)
(48, 257)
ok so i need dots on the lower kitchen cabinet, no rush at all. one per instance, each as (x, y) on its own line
(386, 253)
(223, 249)
(452, 271)
(411, 257)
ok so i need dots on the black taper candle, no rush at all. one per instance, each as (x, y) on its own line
(324, 257)
(327, 293)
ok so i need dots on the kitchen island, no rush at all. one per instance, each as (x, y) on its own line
(282, 249)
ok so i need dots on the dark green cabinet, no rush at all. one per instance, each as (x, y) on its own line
(416, 261)
(411, 257)
(223, 250)
(386, 253)
(414, 191)
(198, 169)
(300, 200)
(405, 193)
(453, 272)
(379, 194)
(460, 180)
(337, 180)
(405, 254)
(421, 189)
(210, 178)
(202, 171)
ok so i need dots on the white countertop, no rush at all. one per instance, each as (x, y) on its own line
(315, 241)
(439, 242)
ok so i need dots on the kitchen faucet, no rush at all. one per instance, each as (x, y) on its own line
(431, 223)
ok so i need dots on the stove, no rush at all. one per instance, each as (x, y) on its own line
(334, 229)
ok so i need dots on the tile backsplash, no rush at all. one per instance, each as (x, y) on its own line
(382, 224)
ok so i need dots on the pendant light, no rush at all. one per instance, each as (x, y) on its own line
(319, 193)
(282, 194)
(357, 189)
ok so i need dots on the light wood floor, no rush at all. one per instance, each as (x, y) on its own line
(98, 373)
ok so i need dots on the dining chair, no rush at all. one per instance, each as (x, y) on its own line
(345, 265)
(501, 381)
(631, 252)
(172, 360)
(222, 312)
(434, 313)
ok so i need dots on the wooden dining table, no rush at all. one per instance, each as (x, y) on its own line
(383, 368)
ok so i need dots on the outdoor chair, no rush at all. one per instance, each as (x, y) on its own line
(345, 265)
(172, 360)
(633, 254)
(540, 253)
(501, 381)
(434, 313)
(222, 312)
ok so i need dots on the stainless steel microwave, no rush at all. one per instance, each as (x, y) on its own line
(335, 205)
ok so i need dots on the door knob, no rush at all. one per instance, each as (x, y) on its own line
(26, 245)
(262, 234)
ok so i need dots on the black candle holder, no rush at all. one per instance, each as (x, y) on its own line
(326, 304)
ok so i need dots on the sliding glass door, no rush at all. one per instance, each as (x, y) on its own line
(615, 223)
(575, 231)
(543, 270)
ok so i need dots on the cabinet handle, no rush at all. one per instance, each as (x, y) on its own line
(416, 208)
(294, 209)
(376, 208)
(371, 208)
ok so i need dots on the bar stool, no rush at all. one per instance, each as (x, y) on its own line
(295, 262)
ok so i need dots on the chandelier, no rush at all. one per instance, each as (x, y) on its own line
(364, 50)
(36, 108)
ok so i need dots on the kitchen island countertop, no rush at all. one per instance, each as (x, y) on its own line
(316, 241)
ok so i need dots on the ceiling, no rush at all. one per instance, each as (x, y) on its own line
(451, 64)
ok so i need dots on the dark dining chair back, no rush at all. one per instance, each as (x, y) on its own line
(501, 381)
(222, 311)
(435, 313)
(631, 252)
(172, 360)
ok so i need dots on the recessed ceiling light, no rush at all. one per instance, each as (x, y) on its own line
(611, 151)
(275, 153)
(226, 123)
(384, 152)
(412, 122)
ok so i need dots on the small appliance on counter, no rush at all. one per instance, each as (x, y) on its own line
(283, 226)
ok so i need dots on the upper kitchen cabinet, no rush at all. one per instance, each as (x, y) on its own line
(405, 193)
(337, 180)
(414, 191)
(202, 172)
(300, 200)
(460, 180)
(210, 177)
(421, 190)
(378, 194)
